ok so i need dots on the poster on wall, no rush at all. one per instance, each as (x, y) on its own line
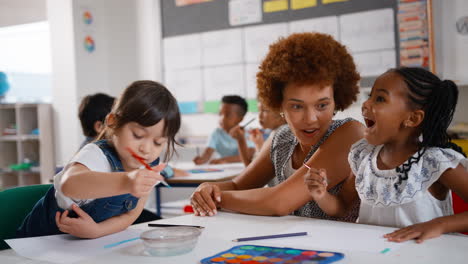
(87, 17)
(414, 33)
(88, 28)
(223, 42)
(242, 12)
(89, 44)
(190, 2)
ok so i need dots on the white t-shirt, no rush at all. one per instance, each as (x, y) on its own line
(90, 156)
(382, 204)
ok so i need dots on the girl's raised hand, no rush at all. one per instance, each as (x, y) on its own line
(420, 232)
(83, 226)
(256, 136)
(237, 132)
(316, 181)
(205, 198)
(142, 181)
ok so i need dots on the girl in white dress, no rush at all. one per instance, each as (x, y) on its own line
(403, 170)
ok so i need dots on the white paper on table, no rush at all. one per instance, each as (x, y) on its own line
(251, 71)
(222, 47)
(375, 63)
(243, 12)
(67, 248)
(367, 31)
(227, 170)
(223, 80)
(327, 25)
(186, 84)
(338, 238)
(257, 40)
(182, 52)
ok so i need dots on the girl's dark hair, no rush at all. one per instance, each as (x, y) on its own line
(93, 108)
(438, 100)
(147, 103)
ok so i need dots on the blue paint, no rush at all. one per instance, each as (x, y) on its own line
(121, 242)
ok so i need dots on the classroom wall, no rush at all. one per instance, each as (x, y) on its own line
(15, 12)
(126, 49)
(131, 31)
(451, 46)
(63, 78)
(452, 50)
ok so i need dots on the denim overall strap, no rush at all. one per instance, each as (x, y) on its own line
(104, 208)
(41, 220)
(112, 156)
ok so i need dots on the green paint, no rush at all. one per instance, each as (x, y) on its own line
(247, 247)
(293, 252)
(262, 249)
(385, 251)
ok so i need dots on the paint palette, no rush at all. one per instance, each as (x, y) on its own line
(250, 254)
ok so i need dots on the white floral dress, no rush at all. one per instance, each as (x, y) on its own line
(410, 202)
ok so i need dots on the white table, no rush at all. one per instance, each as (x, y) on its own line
(228, 171)
(224, 227)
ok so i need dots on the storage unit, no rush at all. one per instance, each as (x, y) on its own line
(26, 137)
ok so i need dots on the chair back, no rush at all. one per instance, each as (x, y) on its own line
(15, 204)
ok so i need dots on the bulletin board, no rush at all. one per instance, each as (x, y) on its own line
(214, 47)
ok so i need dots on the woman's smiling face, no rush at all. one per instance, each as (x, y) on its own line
(308, 110)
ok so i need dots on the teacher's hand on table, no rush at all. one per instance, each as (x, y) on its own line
(205, 198)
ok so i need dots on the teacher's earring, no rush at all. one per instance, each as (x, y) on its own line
(282, 114)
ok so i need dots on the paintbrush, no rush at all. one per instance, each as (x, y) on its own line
(246, 124)
(309, 168)
(147, 166)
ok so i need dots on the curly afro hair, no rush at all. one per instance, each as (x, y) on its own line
(309, 58)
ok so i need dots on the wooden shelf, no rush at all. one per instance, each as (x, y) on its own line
(13, 138)
(15, 149)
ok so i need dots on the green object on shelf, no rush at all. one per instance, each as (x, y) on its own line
(21, 166)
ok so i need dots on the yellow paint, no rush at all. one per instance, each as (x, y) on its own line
(275, 6)
(301, 4)
(333, 1)
(228, 255)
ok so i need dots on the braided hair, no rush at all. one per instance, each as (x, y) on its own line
(438, 99)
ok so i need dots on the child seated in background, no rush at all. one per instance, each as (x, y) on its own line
(103, 189)
(403, 171)
(269, 121)
(233, 110)
(92, 112)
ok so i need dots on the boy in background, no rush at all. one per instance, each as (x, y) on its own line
(92, 113)
(270, 122)
(232, 111)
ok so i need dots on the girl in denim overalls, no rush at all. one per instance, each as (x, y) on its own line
(104, 189)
